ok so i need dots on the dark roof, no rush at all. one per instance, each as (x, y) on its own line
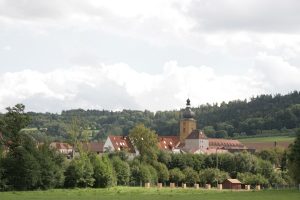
(197, 134)
(233, 180)
(95, 147)
(188, 113)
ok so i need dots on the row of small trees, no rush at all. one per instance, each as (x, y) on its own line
(94, 171)
(115, 169)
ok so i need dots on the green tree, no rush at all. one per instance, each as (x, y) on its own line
(176, 176)
(3, 180)
(209, 131)
(264, 168)
(191, 176)
(154, 174)
(252, 179)
(142, 173)
(22, 169)
(294, 159)
(244, 162)
(164, 157)
(274, 155)
(122, 170)
(145, 140)
(103, 171)
(145, 173)
(11, 124)
(212, 176)
(76, 133)
(79, 173)
(135, 173)
(276, 179)
(162, 172)
(51, 167)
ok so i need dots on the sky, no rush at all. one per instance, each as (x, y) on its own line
(137, 54)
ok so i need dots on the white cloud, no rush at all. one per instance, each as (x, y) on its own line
(7, 48)
(118, 86)
(246, 15)
(277, 73)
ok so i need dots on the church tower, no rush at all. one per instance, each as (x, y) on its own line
(187, 123)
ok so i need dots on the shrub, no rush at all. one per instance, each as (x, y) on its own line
(191, 176)
(176, 176)
(122, 171)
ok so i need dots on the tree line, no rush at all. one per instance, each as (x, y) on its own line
(262, 115)
(25, 165)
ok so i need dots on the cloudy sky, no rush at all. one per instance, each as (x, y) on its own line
(135, 54)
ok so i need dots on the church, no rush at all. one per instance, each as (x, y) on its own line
(189, 140)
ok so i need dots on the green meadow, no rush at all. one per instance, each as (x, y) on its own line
(268, 139)
(132, 193)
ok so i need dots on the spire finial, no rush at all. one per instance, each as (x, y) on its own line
(188, 102)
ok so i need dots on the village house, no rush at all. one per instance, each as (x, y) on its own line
(120, 143)
(63, 148)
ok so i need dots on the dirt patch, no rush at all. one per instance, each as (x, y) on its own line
(267, 145)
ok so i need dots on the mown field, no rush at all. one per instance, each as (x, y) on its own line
(126, 193)
(261, 143)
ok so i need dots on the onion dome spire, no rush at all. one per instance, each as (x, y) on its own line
(188, 113)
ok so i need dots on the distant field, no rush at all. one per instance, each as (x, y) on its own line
(120, 193)
(261, 143)
(269, 139)
(29, 129)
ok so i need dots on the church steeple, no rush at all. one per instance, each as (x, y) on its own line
(187, 123)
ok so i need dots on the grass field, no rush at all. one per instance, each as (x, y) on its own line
(269, 139)
(125, 193)
(260, 143)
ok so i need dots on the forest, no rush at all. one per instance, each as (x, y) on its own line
(263, 115)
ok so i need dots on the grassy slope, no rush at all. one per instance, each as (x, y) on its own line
(122, 193)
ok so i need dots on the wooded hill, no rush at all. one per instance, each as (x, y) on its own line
(261, 115)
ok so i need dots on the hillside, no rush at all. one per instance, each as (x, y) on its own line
(261, 115)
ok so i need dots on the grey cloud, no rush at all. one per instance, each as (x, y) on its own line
(31, 10)
(108, 96)
(246, 15)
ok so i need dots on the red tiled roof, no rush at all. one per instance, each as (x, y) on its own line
(168, 142)
(197, 134)
(96, 147)
(213, 142)
(61, 145)
(122, 143)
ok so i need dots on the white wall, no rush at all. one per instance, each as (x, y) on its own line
(108, 145)
(196, 143)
